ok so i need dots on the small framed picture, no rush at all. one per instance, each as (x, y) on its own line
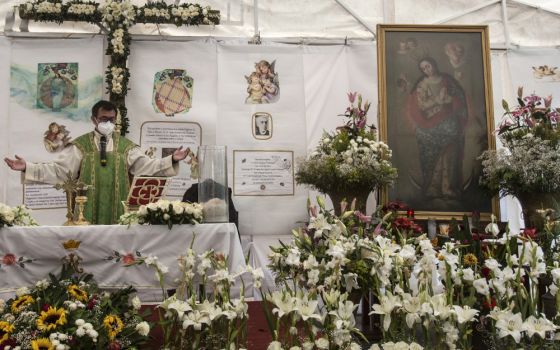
(262, 125)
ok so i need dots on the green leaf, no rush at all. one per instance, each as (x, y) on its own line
(505, 105)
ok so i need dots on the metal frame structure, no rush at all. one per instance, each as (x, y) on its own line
(388, 17)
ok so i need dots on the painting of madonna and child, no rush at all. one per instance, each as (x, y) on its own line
(436, 116)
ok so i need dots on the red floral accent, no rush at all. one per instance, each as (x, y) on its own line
(394, 206)
(128, 259)
(406, 224)
(114, 345)
(92, 302)
(11, 342)
(45, 307)
(9, 259)
(530, 233)
(489, 305)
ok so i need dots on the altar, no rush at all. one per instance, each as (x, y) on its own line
(109, 252)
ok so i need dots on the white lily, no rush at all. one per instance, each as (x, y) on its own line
(388, 303)
(538, 326)
(510, 324)
(464, 313)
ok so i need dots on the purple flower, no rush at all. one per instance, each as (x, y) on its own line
(548, 101)
(529, 122)
(532, 99)
(554, 117)
(352, 96)
(361, 123)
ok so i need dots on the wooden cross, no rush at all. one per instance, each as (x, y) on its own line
(115, 18)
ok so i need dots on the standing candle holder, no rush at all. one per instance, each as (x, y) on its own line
(81, 202)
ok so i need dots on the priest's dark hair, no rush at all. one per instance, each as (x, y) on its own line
(104, 105)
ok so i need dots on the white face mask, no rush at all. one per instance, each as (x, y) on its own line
(106, 128)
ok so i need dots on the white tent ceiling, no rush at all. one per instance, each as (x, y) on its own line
(512, 22)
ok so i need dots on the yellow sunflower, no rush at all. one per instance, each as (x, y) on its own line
(42, 344)
(113, 325)
(77, 293)
(470, 259)
(5, 330)
(51, 319)
(21, 302)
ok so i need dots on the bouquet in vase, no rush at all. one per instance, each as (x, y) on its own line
(349, 162)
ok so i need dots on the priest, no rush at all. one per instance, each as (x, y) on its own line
(103, 159)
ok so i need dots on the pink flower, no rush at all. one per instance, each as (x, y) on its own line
(9, 259)
(352, 96)
(548, 101)
(313, 211)
(128, 259)
(363, 218)
(361, 123)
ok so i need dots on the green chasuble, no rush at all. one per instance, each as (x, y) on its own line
(110, 183)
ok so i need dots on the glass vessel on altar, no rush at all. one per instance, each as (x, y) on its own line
(213, 184)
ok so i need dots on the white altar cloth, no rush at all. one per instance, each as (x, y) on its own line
(28, 254)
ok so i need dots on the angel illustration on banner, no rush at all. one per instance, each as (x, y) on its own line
(56, 137)
(263, 85)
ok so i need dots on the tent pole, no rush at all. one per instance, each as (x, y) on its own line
(505, 22)
(256, 17)
(356, 16)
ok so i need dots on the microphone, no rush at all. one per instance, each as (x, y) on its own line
(103, 150)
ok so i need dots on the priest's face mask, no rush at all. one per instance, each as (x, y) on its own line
(105, 121)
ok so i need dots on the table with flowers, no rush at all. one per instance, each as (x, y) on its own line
(111, 253)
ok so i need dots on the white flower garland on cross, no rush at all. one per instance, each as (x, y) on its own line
(117, 16)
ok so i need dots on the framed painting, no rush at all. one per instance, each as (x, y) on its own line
(435, 110)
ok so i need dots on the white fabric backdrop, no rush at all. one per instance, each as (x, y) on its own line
(27, 124)
(266, 215)
(5, 52)
(198, 58)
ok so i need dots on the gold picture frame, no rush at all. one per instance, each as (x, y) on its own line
(435, 113)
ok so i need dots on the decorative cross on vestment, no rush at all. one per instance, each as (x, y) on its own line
(115, 17)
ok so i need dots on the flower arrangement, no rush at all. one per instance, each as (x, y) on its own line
(202, 313)
(178, 14)
(349, 160)
(531, 135)
(43, 10)
(71, 313)
(15, 216)
(432, 295)
(117, 80)
(328, 318)
(324, 254)
(164, 212)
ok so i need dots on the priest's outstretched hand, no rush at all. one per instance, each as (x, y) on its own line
(16, 164)
(180, 154)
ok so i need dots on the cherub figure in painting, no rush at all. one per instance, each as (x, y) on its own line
(56, 137)
(269, 89)
(255, 89)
